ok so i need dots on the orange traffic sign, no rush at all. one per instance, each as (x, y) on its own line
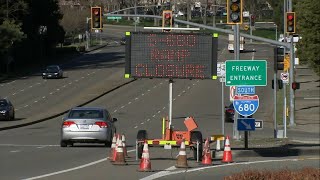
(286, 62)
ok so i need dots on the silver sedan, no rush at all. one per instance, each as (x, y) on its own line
(87, 125)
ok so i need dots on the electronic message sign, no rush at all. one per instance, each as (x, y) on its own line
(171, 55)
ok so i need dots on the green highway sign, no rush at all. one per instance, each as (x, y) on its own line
(246, 72)
(114, 17)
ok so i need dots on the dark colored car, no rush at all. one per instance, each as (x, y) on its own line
(87, 125)
(123, 41)
(52, 71)
(6, 110)
(229, 113)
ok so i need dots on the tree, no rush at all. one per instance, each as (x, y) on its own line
(308, 27)
(11, 33)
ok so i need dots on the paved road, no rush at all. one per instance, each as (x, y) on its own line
(138, 105)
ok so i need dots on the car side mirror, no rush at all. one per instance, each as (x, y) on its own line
(114, 119)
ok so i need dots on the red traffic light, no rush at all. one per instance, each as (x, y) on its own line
(167, 16)
(290, 22)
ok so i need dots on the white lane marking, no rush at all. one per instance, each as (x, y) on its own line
(193, 84)
(40, 147)
(148, 119)
(26, 105)
(189, 87)
(76, 80)
(51, 93)
(58, 89)
(136, 127)
(142, 94)
(154, 86)
(82, 77)
(30, 86)
(17, 109)
(167, 173)
(35, 101)
(71, 169)
(14, 151)
(115, 110)
(88, 74)
(149, 90)
(136, 98)
(179, 95)
(22, 90)
(142, 123)
(154, 116)
(14, 94)
(183, 91)
(174, 99)
(160, 174)
(43, 97)
(122, 107)
(70, 82)
(161, 83)
(163, 107)
(129, 102)
(159, 112)
(64, 86)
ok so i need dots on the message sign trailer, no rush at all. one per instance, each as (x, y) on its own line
(171, 56)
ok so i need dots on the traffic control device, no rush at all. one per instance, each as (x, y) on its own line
(113, 146)
(227, 155)
(123, 138)
(173, 138)
(114, 156)
(206, 158)
(119, 159)
(182, 157)
(145, 163)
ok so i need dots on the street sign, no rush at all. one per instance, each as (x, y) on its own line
(222, 79)
(246, 90)
(246, 124)
(221, 69)
(232, 93)
(258, 124)
(246, 105)
(114, 17)
(286, 62)
(284, 77)
(246, 72)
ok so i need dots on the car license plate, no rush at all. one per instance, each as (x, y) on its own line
(84, 126)
(49, 75)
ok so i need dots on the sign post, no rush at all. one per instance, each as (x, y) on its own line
(221, 72)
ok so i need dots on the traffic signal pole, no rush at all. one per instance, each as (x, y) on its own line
(291, 80)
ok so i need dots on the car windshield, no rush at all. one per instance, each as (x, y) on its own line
(52, 69)
(3, 103)
(85, 114)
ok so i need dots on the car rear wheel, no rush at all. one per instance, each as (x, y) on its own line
(63, 144)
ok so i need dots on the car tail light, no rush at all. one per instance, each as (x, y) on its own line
(102, 124)
(230, 110)
(68, 123)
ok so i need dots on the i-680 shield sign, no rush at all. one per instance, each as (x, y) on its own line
(246, 105)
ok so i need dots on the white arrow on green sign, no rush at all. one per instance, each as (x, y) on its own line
(246, 72)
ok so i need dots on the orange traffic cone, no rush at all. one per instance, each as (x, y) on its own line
(182, 157)
(113, 146)
(118, 141)
(227, 155)
(119, 159)
(206, 158)
(123, 138)
(145, 164)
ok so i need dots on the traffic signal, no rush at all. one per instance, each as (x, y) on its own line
(290, 22)
(167, 20)
(234, 11)
(278, 59)
(295, 85)
(252, 19)
(279, 84)
(96, 18)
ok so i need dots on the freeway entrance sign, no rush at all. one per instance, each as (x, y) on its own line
(246, 72)
(246, 105)
(246, 124)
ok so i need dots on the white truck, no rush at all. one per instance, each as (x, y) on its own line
(231, 43)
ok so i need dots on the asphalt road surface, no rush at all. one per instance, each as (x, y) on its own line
(34, 151)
